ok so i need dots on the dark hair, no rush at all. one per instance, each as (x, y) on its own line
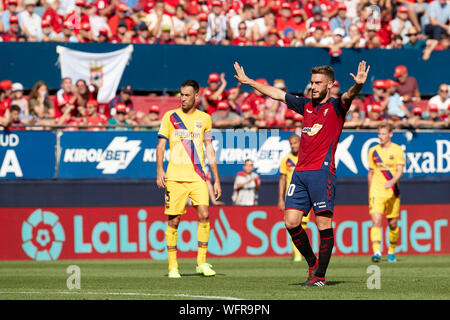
(191, 83)
(14, 107)
(247, 7)
(326, 70)
(270, 12)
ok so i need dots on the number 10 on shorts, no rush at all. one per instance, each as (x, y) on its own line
(291, 189)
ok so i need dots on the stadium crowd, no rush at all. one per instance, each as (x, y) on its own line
(390, 24)
(74, 106)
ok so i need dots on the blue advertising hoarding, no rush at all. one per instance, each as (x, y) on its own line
(133, 154)
(27, 154)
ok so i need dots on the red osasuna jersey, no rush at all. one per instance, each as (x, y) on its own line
(322, 127)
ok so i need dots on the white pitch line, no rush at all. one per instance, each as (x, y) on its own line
(120, 294)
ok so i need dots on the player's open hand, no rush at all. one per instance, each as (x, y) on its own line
(240, 74)
(361, 75)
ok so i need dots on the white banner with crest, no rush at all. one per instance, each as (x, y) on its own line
(102, 69)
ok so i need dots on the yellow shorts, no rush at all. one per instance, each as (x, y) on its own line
(177, 193)
(387, 206)
(305, 219)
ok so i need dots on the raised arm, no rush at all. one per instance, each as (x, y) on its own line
(274, 93)
(360, 79)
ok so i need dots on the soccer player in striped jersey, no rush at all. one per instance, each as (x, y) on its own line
(187, 129)
(386, 163)
(314, 179)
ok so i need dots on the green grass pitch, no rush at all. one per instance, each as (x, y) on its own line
(412, 277)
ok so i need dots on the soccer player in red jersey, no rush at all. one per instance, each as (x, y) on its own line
(314, 178)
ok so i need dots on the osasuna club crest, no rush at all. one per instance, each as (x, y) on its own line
(96, 73)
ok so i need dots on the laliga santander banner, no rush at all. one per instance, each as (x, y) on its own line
(138, 232)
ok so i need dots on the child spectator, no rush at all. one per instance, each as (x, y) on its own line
(18, 99)
(91, 118)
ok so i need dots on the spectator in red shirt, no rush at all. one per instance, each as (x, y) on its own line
(121, 35)
(50, 14)
(67, 119)
(68, 34)
(5, 101)
(318, 20)
(256, 100)
(14, 31)
(284, 20)
(374, 99)
(143, 35)
(103, 35)
(192, 36)
(85, 35)
(121, 11)
(273, 39)
(65, 96)
(241, 39)
(78, 16)
(90, 117)
(385, 32)
(298, 24)
(214, 93)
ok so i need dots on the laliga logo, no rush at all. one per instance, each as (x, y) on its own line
(118, 155)
(42, 236)
(270, 154)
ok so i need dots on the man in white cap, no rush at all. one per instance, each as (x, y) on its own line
(31, 21)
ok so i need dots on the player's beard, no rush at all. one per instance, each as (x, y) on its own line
(322, 95)
(188, 107)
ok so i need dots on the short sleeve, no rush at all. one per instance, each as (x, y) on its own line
(340, 107)
(296, 103)
(400, 156)
(164, 128)
(283, 167)
(207, 135)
